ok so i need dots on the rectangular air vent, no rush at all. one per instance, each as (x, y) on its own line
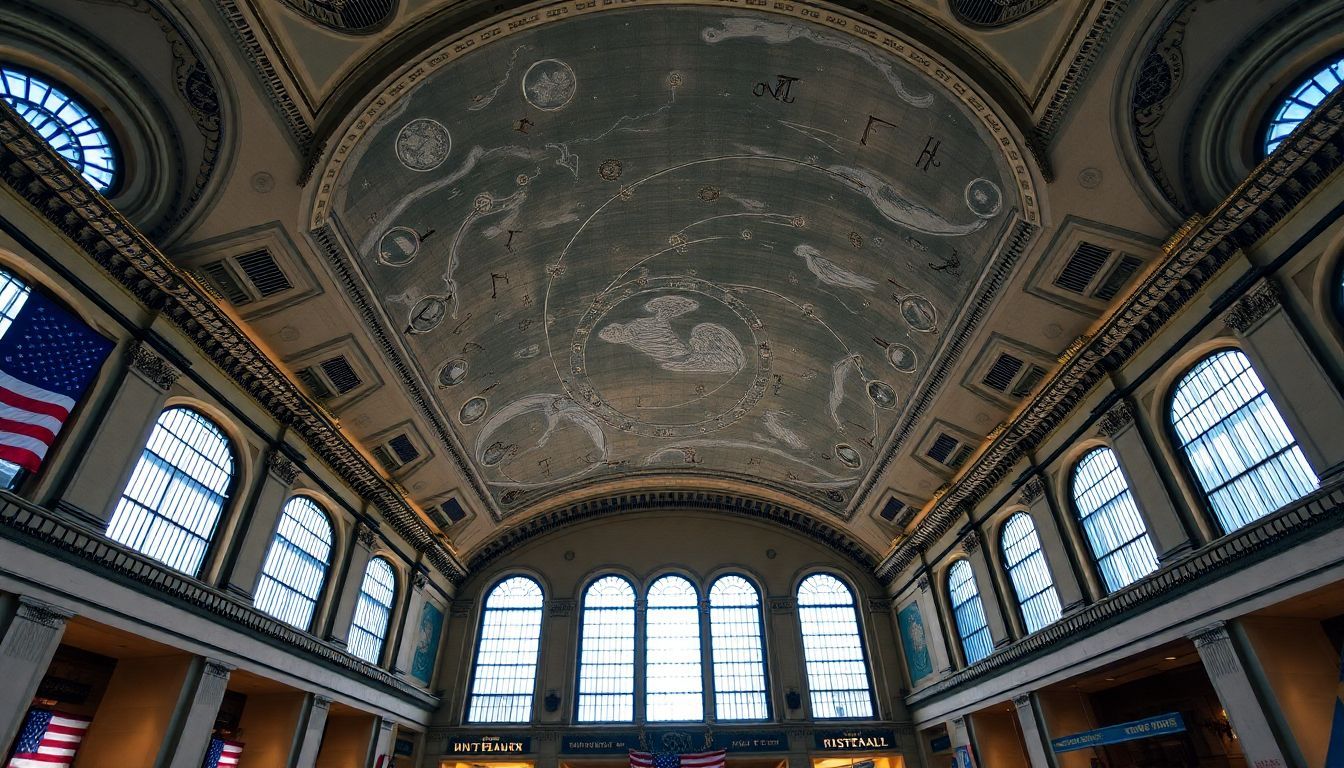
(264, 274)
(405, 450)
(341, 374)
(219, 274)
(452, 509)
(942, 447)
(1002, 373)
(1082, 267)
(1028, 381)
(314, 383)
(385, 458)
(892, 509)
(1118, 277)
(960, 456)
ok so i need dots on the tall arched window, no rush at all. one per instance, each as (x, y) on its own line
(1111, 522)
(1235, 441)
(968, 612)
(372, 611)
(607, 653)
(13, 295)
(738, 651)
(296, 565)
(71, 128)
(675, 687)
(172, 504)
(1027, 569)
(1299, 101)
(837, 672)
(506, 657)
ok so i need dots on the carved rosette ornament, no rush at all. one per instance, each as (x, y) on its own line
(364, 535)
(970, 542)
(152, 366)
(283, 469)
(1120, 416)
(1032, 490)
(1263, 298)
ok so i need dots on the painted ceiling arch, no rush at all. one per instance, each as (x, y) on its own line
(674, 240)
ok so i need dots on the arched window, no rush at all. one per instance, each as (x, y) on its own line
(1235, 442)
(70, 127)
(506, 657)
(296, 565)
(1300, 100)
(607, 653)
(13, 295)
(1115, 531)
(737, 650)
(837, 672)
(372, 611)
(675, 687)
(172, 504)
(969, 613)
(1026, 566)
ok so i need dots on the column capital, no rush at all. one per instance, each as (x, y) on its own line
(217, 668)
(1022, 700)
(970, 542)
(419, 580)
(1032, 490)
(923, 583)
(321, 702)
(43, 613)
(560, 607)
(152, 366)
(1116, 420)
(1263, 298)
(879, 605)
(364, 534)
(1210, 634)
(782, 604)
(461, 608)
(282, 468)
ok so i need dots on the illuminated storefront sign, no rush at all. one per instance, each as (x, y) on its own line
(856, 740)
(1114, 734)
(489, 745)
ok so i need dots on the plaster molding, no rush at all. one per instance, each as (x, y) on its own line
(1032, 490)
(43, 613)
(217, 668)
(152, 366)
(364, 535)
(1262, 299)
(1210, 634)
(1117, 420)
(282, 468)
(561, 607)
(923, 583)
(970, 543)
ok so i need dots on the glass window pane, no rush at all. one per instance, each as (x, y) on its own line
(837, 671)
(171, 506)
(506, 658)
(1028, 572)
(969, 614)
(673, 682)
(737, 650)
(1236, 442)
(372, 611)
(607, 653)
(1305, 96)
(296, 564)
(68, 126)
(1110, 520)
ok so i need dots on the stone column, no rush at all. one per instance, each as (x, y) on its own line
(558, 651)
(1304, 393)
(355, 566)
(310, 736)
(787, 666)
(96, 486)
(1224, 663)
(883, 650)
(1066, 571)
(1033, 733)
(257, 530)
(196, 714)
(990, 600)
(409, 637)
(934, 633)
(26, 649)
(1167, 528)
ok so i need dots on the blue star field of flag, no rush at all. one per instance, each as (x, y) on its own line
(48, 347)
(33, 731)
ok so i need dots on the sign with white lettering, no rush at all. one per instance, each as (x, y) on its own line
(1114, 734)
(489, 745)
(751, 741)
(600, 743)
(855, 740)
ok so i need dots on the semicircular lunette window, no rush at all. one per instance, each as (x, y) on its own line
(1300, 101)
(69, 126)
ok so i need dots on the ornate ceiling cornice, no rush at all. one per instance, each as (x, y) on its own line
(1194, 256)
(36, 173)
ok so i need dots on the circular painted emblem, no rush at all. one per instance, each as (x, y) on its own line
(882, 395)
(453, 372)
(919, 313)
(398, 247)
(549, 85)
(848, 456)
(984, 198)
(473, 410)
(423, 144)
(902, 358)
(428, 313)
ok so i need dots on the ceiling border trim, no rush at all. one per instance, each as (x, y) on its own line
(38, 175)
(276, 91)
(1194, 256)
(1089, 51)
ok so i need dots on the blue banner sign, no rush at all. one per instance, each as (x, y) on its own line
(620, 742)
(1114, 734)
(600, 743)
(855, 740)
(751, 741)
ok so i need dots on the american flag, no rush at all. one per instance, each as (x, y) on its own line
(48, 740)
(47, 359)
(222, 753)
(714, 759)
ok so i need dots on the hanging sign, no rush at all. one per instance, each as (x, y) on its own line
(1114, 734)
(473, 744)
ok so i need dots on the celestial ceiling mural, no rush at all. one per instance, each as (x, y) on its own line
(605, 252)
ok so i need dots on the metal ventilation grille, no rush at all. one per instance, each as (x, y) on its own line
(995, 13)
(453, 510)
(218, 273)
(346, 15)
(960, 456)
(314, 383)
(1001, 374)
(1082, 267)
(1118, 277)
(942, 447)
(1028, 381)
(892, 509)
(341, 374)
(385, 458)
(264, 274)
(405, 450)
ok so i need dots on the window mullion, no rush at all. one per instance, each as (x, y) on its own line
(640, 705)
(707, 688)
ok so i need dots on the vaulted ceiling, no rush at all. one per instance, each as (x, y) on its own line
(533, 255)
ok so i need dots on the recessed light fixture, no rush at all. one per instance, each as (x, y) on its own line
(1110, 679)
(1171, 658)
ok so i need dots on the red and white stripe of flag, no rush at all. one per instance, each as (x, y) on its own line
(30, 419)
(231, 753)
(58, 745)
(712, 759)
